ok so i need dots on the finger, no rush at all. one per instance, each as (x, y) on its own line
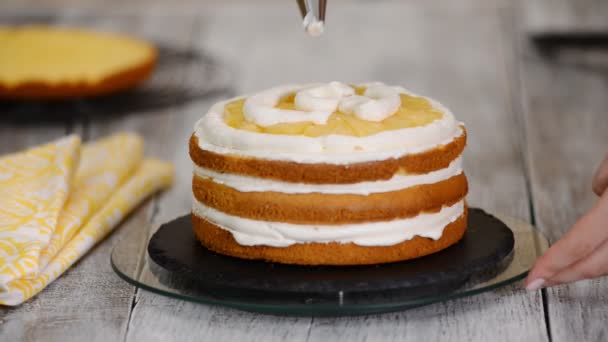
(600, 180)
(594, 265)
(585, 236)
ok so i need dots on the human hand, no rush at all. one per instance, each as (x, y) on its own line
(582, 253)
(600, 180)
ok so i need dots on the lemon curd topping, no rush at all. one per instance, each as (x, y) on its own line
(65, 55)
(413, 112)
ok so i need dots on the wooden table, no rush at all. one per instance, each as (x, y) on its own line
(538, 126)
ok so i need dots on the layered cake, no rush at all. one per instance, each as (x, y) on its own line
(329, 174)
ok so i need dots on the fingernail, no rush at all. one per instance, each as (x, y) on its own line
(535, 284)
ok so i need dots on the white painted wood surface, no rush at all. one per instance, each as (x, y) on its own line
(566, 121)
(567, 133)
(565, 15)
(466, 56)
(88, 301)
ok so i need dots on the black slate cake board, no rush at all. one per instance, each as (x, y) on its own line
(482, 253)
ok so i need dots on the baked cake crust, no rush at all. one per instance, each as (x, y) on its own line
(122, 80)
(419, 163)
(332, 253)
(317, 208)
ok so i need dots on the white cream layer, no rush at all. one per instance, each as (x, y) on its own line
(216, 136)
(397, 182)
(249, 232)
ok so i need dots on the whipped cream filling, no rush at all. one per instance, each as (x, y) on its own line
(397, 182)
(249, 232)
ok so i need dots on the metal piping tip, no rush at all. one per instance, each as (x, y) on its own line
(313, 15)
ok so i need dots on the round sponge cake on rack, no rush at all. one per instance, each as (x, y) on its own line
(40, 62)
(329, 174)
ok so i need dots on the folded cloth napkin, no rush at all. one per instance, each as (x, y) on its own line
(58, 200)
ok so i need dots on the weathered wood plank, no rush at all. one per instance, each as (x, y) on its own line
(565, 117)
(160, 318)
(189, 5)
(412, 51)
(17, 136)
(565, 15)
(89, 302)
(166, 132)
(567, 137)
(154, 124)
(475, 81)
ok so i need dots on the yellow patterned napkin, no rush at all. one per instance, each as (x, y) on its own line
(50, 216)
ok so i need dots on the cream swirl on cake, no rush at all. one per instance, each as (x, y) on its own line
(329, 174)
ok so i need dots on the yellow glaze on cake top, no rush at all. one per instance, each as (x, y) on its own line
(63, 55)
(414, 112)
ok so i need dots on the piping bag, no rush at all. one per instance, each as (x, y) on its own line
(313, 15)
